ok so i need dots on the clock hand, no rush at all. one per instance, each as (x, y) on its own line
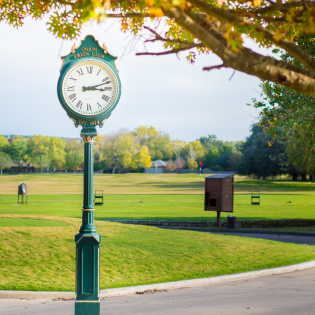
(93, 88)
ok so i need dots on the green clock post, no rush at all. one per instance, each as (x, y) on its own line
(88, 89)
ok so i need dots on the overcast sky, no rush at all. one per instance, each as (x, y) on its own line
(163, 92)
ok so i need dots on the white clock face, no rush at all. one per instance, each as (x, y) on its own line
(89, 88)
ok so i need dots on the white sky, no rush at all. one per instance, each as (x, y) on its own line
(163, 92)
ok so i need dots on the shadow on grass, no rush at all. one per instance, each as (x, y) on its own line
(212, 218)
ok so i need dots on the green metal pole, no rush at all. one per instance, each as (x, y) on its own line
(88, 241)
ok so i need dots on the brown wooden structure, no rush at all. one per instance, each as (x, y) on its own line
(219, 194)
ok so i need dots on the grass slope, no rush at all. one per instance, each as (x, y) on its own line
(43, 258)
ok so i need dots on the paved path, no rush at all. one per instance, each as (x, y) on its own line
(310, 240)
(290, 294)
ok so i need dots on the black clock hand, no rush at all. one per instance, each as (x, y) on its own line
(93, 88)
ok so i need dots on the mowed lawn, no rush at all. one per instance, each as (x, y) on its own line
(143, 184)
(43, 258)
(37, 251)
(162, 207)
(154, 197)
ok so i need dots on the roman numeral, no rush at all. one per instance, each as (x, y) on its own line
(89, 107)
(73, 97)
(70, 88)
(107, 88)
(73, 79)
(80, 72)
(89, 69)
(79, 105)
(105, 79)
(99, 105)
(98, 71)
(105, 97)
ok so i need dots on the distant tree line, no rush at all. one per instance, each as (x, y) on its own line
(260, 156)
(132, 150)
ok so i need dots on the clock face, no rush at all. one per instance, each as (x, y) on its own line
(89, 88)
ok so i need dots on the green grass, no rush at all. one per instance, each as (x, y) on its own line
(25, 222)
(162, 207)
(43, 258)
(143, 184)
(37, 252)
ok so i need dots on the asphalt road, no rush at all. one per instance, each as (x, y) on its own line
(310, 240)
(289, 294)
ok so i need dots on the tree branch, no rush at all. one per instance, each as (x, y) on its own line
(214, 67)
(173, 51)
(261, 69)
(228, 16)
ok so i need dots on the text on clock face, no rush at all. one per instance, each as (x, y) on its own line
(89, 88)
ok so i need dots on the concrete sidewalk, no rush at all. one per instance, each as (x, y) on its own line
(289, 294)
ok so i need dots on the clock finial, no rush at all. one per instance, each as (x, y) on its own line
(73, 48)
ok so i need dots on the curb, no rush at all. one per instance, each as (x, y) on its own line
(160, 286)
(240, 231)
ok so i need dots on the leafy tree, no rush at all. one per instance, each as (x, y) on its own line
(57, 153)
(18, 150)
(141, 158)
(234, 161)
(197, 27)
(74, 159)
(192, 164)
(41, 161)
(299, 160)
(262, 159)
(288, 111)
(159, 144)
(180, 162)
(52, 147)
(118, 150)
(5, 161)
(193, 150)
(4, 144)
(74, 145)
(170, 166)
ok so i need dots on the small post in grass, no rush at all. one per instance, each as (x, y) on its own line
(218, 219)
(200, 164)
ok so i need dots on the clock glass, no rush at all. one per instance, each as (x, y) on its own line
(89, 88)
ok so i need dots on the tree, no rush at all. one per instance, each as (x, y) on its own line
(74, 159)
(41, 161)
(170, 166)
(57, 153)
(118, 150)
(292, 113)
(193, 150)
(299, 160)
(141, 158)
(197, 27)
(192, 164)
(159, 144)
(4, 144)
(180, 162)
(5, 161)
(234, 161)
(18, 150)
(262, 159)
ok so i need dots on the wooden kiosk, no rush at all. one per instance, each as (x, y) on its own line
(219, 194)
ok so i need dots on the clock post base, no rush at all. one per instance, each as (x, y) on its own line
(87, 308)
